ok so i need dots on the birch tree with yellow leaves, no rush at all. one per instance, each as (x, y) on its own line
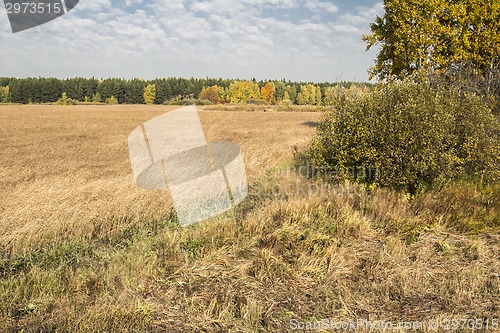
(434, 34)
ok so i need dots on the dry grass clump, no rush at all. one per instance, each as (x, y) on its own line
(112, 258)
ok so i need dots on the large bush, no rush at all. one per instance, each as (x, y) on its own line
(409, 136)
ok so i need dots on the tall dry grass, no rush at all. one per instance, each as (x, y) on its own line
(65, 171)
(83, 250)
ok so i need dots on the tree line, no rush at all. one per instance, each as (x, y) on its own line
(167, 90)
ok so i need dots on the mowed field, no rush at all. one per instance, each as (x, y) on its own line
(65, 171)
(84, 250)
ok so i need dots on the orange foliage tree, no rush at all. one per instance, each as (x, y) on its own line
(268, 92)
(214, 94)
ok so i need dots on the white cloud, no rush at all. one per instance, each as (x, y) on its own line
(94, 5)
(362, 16)
(129, 3)
(220, 38)
(321, 6)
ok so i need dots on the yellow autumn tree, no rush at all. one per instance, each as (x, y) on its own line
(150, 94)
(268, 93)
(4, 94)
(308, 95)
(434, 34)
(242, 91)
(319, 96)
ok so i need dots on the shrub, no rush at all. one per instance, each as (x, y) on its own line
(96, 98)
(65, 100)
(111, 100)
(408, 136)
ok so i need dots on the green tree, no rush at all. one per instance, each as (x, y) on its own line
(291, 90)
(150, 94)
(434, 34)
(280, 91)
(134, 92)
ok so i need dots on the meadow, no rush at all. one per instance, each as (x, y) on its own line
(83, 249)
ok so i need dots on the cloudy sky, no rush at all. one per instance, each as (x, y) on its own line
(304, 40)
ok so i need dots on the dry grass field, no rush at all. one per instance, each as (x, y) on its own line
(66, 170)
(82, 249)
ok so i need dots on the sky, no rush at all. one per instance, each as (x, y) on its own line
(298, 40)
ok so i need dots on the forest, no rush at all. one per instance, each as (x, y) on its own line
(167, 90)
